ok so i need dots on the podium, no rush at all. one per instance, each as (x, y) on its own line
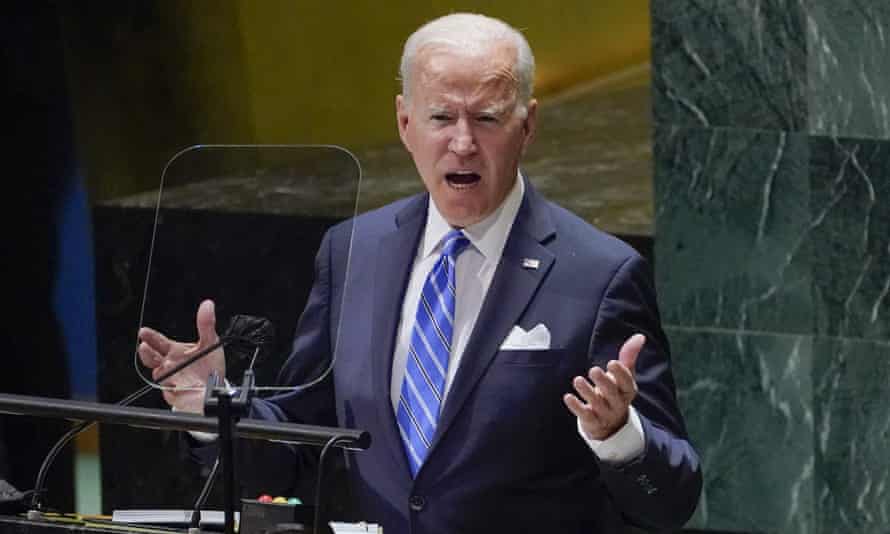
(21, 525)
(239, 224)
(165, 419)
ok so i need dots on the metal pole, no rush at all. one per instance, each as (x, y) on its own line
(227, 458)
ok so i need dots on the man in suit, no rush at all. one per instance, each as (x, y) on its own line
(506, 357)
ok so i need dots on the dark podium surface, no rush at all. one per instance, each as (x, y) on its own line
(21, 525)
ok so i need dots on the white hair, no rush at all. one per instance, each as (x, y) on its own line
(472, 32)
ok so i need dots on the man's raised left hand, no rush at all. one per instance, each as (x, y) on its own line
(605, 396)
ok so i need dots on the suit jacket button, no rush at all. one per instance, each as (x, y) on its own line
(417, 502)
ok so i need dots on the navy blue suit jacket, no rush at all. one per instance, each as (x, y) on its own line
(507, 452)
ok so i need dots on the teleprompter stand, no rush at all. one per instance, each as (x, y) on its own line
(229, 405)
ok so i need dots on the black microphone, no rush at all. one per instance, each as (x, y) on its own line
(243, 331)
(246, 334)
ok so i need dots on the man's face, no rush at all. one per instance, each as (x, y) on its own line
(464, 130)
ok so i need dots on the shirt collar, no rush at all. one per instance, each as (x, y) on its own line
(488, 236)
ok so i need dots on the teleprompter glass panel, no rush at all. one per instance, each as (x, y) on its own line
(241, 225)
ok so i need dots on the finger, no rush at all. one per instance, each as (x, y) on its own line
(590, 422)
(581, 410)
(584, 389)
(170, 397)
(206, 322)
(158, 372)
(575, 406)
(624, 379)
(630, 350)
(149, 356)
(594, 398)
(606, 385)
(155, 339)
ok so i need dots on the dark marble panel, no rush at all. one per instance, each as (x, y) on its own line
(731, 221)
(740, 64)
(747, 403)
(849, 74)
(850, 182)
(851, 381)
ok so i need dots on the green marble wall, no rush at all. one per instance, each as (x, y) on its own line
(772, 247)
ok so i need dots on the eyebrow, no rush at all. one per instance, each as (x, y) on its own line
(494, 109)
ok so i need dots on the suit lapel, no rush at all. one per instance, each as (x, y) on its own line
(395, 256)
(512, 288)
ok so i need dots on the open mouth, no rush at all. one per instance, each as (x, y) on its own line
(462, 180)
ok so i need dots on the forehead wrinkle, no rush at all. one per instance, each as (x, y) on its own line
(493, 89)
(497, 61)
(491, 98)
(506, 72)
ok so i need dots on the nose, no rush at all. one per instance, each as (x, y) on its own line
(463, 143)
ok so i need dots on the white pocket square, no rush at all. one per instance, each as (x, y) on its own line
(538, 338)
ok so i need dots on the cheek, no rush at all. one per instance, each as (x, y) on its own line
(430, 144)
(502, 153)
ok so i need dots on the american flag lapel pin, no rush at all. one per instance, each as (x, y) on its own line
(530, 263)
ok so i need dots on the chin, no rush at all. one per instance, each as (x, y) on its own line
(463, 219)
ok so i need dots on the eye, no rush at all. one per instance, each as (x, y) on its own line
(487, 118)
(440, 117)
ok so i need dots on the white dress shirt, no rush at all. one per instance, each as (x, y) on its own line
(474, 271)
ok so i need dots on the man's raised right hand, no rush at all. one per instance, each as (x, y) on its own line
(184, 391)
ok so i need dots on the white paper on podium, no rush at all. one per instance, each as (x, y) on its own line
(355, 528)
(169, 517)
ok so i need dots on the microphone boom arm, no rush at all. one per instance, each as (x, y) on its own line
(350, 439)
(37, 498)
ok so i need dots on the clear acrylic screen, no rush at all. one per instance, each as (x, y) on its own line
(241, 225)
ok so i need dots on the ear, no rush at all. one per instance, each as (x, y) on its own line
(403, 116)
(529, 124)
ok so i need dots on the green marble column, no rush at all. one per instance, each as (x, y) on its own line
(772, 201)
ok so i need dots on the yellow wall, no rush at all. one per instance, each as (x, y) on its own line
(288, 71)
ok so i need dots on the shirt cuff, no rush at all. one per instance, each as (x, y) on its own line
(203, 437)
(621, 447)
(200, 437)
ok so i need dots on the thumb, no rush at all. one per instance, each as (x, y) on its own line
(630, 350)
(206, 323)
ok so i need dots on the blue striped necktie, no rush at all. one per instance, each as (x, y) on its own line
(428, 354)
